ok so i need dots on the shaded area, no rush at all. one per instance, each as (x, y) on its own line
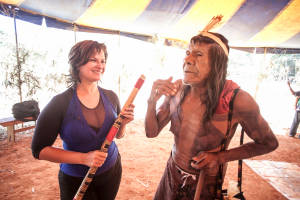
(143, 159)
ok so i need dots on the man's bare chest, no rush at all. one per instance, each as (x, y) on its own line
(192, 116)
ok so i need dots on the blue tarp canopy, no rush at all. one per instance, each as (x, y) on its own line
(247, 24)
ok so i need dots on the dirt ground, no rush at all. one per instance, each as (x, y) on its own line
(143, 159)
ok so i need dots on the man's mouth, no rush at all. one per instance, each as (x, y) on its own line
(186, 71)
(189, 70)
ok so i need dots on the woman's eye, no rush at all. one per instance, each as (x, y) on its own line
(187, 53)
(92, 60)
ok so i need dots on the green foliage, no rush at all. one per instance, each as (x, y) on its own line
(285, 66)
(19, 72)
(20, 75)
(36, 69)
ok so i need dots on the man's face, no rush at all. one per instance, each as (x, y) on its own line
(196, 66)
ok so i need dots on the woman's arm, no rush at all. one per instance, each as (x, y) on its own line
(48, 124)
(93, 158)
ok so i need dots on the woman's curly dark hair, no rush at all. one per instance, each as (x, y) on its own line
(79, 55)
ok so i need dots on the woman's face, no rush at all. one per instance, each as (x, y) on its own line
(93, 70)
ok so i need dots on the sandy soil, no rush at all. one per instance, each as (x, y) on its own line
(143, 159)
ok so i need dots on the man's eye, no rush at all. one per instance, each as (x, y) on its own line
(198, 54)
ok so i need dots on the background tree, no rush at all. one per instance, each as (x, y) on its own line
(21, 76)
(36, 69)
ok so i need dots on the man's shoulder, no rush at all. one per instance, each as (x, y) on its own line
(226, 96)
(244, 101)
(243, 94)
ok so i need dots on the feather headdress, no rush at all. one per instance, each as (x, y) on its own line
(215, 20)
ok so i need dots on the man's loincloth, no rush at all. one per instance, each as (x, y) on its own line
(176, 184)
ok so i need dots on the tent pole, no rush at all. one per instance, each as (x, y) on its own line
(122, 67)
(17, 52)
(260, 77)
(257, 81)
(74, 30)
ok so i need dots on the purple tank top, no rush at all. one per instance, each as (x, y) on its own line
(78, 136)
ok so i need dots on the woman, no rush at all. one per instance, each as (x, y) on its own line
(82, 116)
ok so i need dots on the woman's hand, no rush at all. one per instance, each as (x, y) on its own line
(94, 158)
(128, 114)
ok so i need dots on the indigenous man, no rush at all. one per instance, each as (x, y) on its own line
(198, 108)
(296, 120)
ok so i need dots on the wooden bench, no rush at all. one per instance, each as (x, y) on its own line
(10, 123)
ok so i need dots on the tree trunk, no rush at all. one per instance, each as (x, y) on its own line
(18, 59)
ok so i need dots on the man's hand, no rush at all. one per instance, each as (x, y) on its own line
(206, 160)
(163, 87)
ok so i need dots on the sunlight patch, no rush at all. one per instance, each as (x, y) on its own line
(283, 176)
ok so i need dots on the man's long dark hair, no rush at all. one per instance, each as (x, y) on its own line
(217, 76)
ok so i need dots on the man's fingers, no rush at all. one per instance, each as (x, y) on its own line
(170, 78)
(167, 90)
(199, 161)
(160, 83)
(199, 164)
(199, 157)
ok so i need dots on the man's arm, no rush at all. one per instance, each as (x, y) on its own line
(155, 120)
(247, 112)
(291, 89)
(297, 94)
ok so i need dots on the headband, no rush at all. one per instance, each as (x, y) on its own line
(215, 20)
